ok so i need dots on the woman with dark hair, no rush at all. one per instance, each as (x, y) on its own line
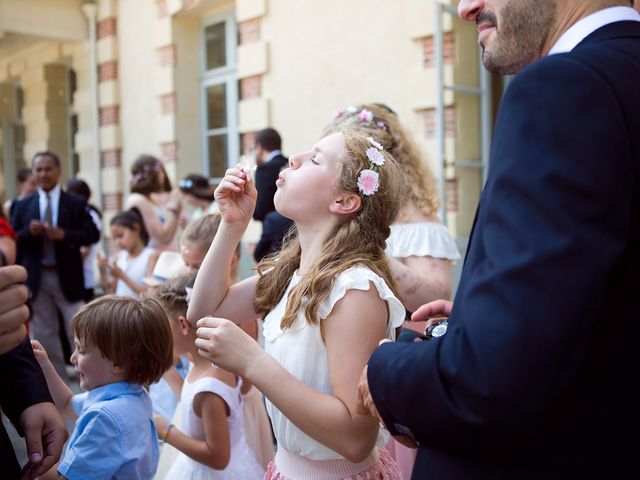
(81, 189)
(158, 204)
(198, 193)
(26, 183)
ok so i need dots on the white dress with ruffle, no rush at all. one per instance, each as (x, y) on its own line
(423, 239)
(243, 464)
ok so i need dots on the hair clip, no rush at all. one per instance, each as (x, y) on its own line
(369, 179)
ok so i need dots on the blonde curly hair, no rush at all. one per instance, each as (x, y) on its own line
(387, 129)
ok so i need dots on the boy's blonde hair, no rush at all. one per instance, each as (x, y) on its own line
(132, 333)
(200, 232)
(359, 239)
(172, 294)
(385, 126)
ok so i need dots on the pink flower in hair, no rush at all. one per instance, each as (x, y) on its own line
(368, 182)
(374, 155)
(365, 115)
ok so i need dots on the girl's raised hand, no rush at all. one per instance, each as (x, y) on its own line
(236, 195)
(226, 345)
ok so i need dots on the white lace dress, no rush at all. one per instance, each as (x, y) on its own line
(243, 464)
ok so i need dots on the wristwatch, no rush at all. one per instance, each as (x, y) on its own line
(437, 329)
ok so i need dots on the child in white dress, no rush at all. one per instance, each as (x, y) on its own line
(327, 300)
(210, 437)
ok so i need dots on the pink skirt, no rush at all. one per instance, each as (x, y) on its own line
(383, 468)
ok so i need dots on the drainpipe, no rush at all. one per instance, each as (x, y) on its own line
(90, 11)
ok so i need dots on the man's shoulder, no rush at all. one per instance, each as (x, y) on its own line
(23, 202)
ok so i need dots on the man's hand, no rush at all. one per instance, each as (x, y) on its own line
(54, 233)
(432, 312)
(36, 228)
(13, 309)
(45, 434)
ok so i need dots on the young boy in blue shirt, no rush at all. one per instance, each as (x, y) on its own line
(121, 346)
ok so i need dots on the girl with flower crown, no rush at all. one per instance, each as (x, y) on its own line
(158, 204)
(327, 300)
(420, 248)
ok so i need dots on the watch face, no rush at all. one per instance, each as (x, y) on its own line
(439, 330)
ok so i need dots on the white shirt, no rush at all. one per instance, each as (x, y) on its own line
(272, 155)
(54, 195)
(589, 24)
(135, 268)
(301, 351)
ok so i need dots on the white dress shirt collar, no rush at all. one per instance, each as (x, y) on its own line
(272, 155)
(589, 24)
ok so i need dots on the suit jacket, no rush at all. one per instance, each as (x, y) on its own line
(266, 176)
(537, 374)
(23, 385)
(79, 230)
(274, 229)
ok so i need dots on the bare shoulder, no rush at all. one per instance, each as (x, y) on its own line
(225, 377)
(136, 200)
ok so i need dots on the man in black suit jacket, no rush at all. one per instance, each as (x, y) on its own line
(24, 397)
(537, 374)
(51, 226)
(270, 162)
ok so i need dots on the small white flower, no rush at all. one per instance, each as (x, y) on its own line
(375, 156)
(375, 144)
(352, 109)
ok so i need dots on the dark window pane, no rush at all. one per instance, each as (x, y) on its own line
(215, 46)
(217, 155)
(216, 106)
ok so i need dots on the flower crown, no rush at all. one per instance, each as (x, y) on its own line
(363, 115)
(369, 179)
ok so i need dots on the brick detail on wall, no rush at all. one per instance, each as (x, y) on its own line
(107, 27)
(111, 158)
(429, 53)
(108, 71)
(168, 103)
(451, 187)
(109, 115)
(161, 5)
(169, 151)
(167, 56)
(249, 31)
(251, 87)
(112, 202)
(429, 120)
(247, 141)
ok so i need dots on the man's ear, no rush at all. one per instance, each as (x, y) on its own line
(346, 204)
(185, 326)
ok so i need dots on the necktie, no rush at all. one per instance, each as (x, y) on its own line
(48, 247)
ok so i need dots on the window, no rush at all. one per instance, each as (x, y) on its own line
(221, 143)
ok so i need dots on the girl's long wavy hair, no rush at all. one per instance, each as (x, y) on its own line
(359, 239)
(386, 127)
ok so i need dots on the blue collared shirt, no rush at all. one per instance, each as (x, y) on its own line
(115, 436)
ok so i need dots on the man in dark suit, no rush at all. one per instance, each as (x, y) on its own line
(24, 396)
(51, 226)
(537, 374)
(270, 162)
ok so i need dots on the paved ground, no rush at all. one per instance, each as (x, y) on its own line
(18, 442)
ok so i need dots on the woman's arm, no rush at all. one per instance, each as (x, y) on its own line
(421, 279)
(215, 450)
(352, 332)
(59, 390)
(162, 231)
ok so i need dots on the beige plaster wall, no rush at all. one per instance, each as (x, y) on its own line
(138, 58)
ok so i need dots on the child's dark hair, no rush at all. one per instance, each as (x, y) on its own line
(172, 294)
(132, 333)
(131, 219)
